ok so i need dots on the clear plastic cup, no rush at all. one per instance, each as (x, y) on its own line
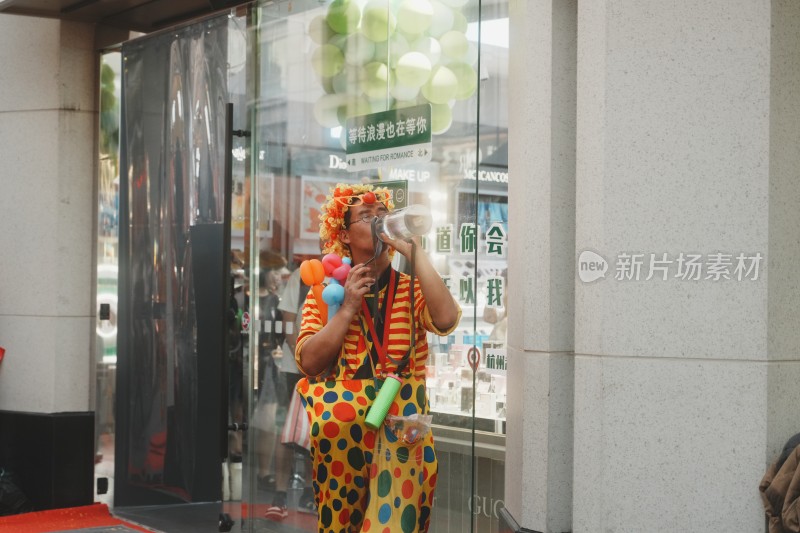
(405, 223)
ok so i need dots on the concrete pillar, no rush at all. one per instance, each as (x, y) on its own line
(783, 335)
(687, 135)
(48, 117)
(541, 263)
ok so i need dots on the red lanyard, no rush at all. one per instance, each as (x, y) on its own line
(381, 345)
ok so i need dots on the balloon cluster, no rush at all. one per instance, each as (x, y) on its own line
(313, 272)
(375, 55)
(337, 268)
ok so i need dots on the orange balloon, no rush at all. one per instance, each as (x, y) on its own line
(306, 272)
(312, 272)
(319, 271)
(321, 305)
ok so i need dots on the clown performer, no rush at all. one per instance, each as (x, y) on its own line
(347, 358)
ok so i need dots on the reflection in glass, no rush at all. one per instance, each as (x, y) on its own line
(174, 89)
(322, 63)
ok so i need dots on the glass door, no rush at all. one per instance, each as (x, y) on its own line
(181, 410)
(342, 91)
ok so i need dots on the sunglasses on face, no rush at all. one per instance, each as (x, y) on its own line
(368, 197)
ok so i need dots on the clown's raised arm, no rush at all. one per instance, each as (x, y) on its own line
(346, 229)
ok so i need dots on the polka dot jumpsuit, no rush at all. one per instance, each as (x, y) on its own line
(369, 480)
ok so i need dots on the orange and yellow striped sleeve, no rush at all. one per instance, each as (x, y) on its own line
(423, 316)
(311, 322)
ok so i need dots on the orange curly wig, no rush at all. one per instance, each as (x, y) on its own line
(333, 213)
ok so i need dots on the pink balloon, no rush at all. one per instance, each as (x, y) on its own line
(330, 263)
(340, 274)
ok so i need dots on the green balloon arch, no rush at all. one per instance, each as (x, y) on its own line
(374, 55)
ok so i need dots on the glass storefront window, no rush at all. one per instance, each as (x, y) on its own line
(321, 65)
(107, 270)
(407, 94)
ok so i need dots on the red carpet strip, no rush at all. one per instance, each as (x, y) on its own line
(71, 518)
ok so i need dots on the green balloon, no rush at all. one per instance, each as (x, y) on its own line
(358, 49)
(472, 55)
(404, 92)
(401, 104)
(352, 107)
(378, 22)
(442, 19)
(414, 16)
(327, 60)
(343, 16)
(454, 44)
(326, 108)
(441, 87)
(441, 118)
(346, 82)
(376, 79)
(430, 47)
(467, 80)
(381, 104)
(413, 69)
(391, 50)
(339, 41)
(318, 30)
(459, 22)
(327, 85)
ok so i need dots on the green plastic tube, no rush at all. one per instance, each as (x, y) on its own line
(380, 406)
